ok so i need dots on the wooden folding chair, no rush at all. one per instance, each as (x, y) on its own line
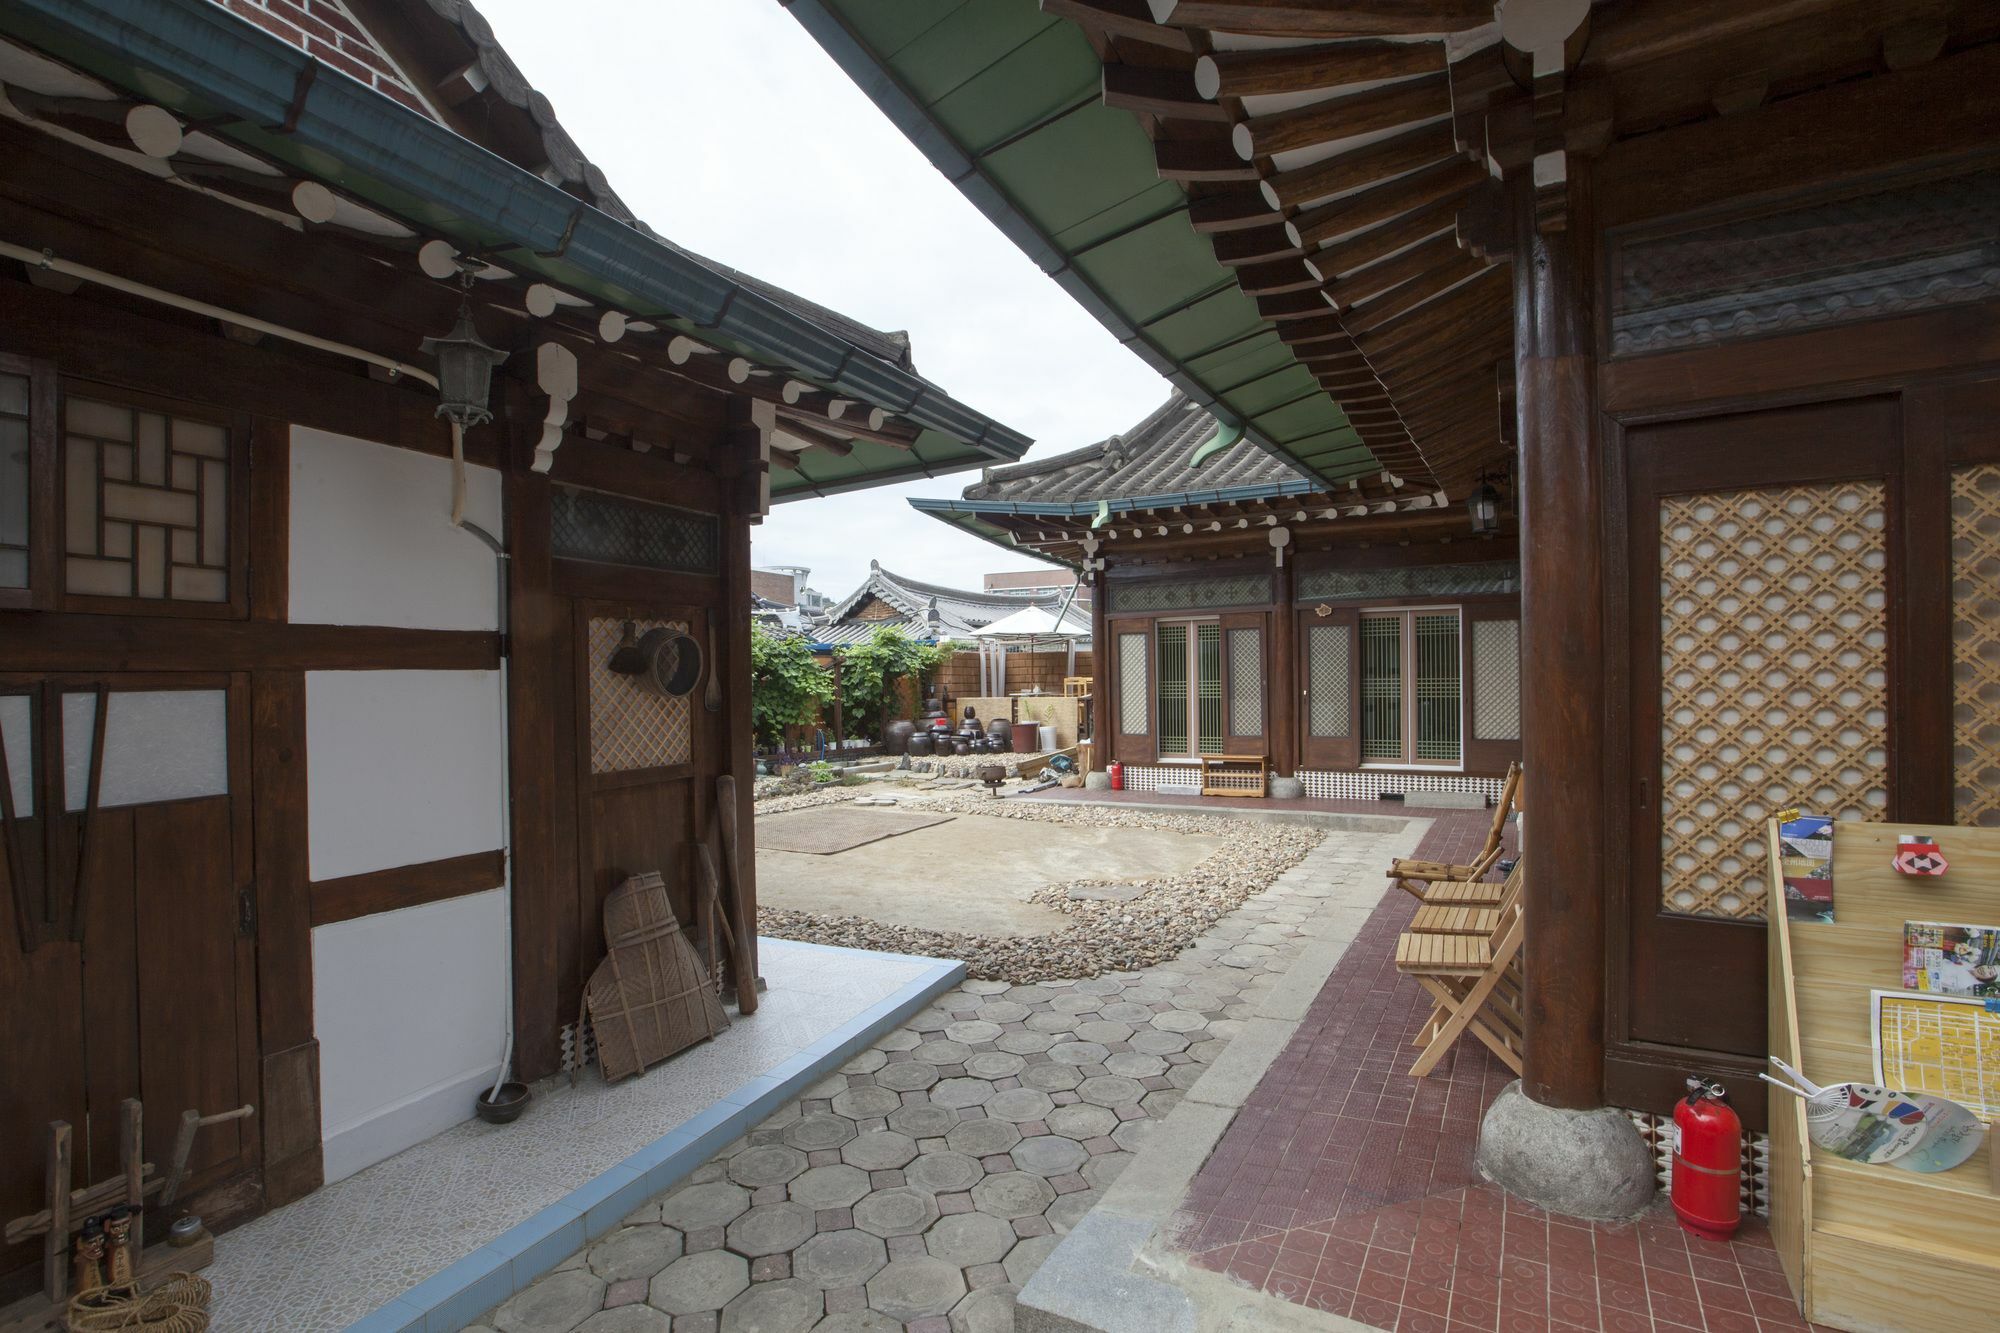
(1416, 877)
(1455, 916)
(1474, 982)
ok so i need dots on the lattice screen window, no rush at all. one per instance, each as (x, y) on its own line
(1774, 678)
(1190, 594)
(1173, 689)
(1330, 650)
(631, 727)
(1435, 687)
(14, 399)
(1134, 692)
(609, 529)
(146, 504)
(1246, 682)
(1496, 680)
(1975, 607)
(1382, 687)
(1208, 687)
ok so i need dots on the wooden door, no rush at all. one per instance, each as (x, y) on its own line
(1762, 626)
(1329, 730)
(1131, 656)
(640, 804)
(127, 931)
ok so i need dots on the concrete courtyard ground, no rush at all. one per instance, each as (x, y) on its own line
(924, 1185)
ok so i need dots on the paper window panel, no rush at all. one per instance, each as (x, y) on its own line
(1208, 687)
(14, 518)
(1774, 678)
(1134, 696)
(1975, 632)
(1173, 691)
(1330, 649)
(1246, 682)
(1496, 680)
(17, 735)
(146, 501)
(161, 745)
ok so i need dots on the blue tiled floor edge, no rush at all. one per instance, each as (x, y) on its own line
(447, 1301)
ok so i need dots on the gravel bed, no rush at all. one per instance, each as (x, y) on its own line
(1150, 922)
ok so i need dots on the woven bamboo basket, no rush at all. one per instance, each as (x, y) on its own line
(650, 996)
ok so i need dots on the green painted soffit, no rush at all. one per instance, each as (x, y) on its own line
(1004, 100)
(202, 61)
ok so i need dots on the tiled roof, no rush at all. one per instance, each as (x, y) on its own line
(1150, 459)
(959, 610)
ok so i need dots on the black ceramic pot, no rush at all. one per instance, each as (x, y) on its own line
(513, 1100)
(961, 745)
(921, 745)
(896, 737)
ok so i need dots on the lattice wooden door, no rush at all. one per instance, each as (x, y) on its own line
(1761, 628)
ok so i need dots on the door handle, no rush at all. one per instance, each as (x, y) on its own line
(1645, 793)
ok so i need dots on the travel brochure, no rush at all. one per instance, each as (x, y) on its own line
(1942, 959)
(1805, 846)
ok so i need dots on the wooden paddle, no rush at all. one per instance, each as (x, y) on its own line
(743, 965)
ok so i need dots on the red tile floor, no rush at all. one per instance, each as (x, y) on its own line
(1347, 1186)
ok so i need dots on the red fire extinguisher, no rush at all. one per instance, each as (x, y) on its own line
(1117, 776)
(1708, 1161)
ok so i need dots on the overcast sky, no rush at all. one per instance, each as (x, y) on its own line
(727, 128)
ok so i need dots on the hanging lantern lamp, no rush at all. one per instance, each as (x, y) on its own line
(465, 386)
(1483, 506)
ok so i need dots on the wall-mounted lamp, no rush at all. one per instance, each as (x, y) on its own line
(1483, 506)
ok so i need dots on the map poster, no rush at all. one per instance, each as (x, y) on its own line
(1943, 959)
(1944, 1045)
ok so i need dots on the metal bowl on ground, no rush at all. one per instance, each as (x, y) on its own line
(513, 1100)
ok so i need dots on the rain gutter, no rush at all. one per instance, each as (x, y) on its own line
(219, 62)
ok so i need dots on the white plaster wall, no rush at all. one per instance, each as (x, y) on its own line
(410, 1010)
(372, 541)
(402, 767)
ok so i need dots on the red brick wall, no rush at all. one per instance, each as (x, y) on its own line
(324, 30)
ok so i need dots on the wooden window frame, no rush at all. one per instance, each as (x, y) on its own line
(44, 487)
(1195, 753)
(1406, 616)
(238, 426)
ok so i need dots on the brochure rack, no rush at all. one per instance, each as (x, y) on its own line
(1874, 1247)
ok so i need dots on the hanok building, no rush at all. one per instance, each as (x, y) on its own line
(1357, 636)
(1717, 282)
(315, 772)
(927, 612)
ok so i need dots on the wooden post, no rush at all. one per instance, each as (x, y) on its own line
(1282, 716)
(839, 724)
(1562, 612)
(749, 448)
(1103, 720)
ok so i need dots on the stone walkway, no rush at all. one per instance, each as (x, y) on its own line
(921, 1186)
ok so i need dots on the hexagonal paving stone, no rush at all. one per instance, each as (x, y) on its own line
(1134, 1064)
(983, 1138)
(988, 1310)
(710, 1205)
(1179, 1020)
(942, 1052)
(1099, 986)
(1160, 1104)
(1012, 1194)
(902, 1039)
(944, 1172)
(1078, 1053)
(1051, 1077)
(835, 1186)
(961, 1092)
(985, 987)
(1069, 1209)
(995, 1064)
(1077, 1004)
(1158, 1041)
(1081, 1121)
(555, 1304)
(634, 1252)
(1049, 1155)
(1052, 1020)
(1003, 1011)
(1103, 1031)
(912, 1288)
(859, 1321)
(705, 1281)
(1027, 1257)
(1024, 1042)
(770, 1228)
(837, 1259)
(969, 1239)
(901, 1211)
(785, 1306)
(772, 1164)
(972, 1031)
(818, 1132)
(1104, 1168)
(1019, 1105)
(866, 1063)
(867, 1102)
(922, 1120)
(1134, 1135)
(905, 1076)
(626, 1319)
(1110, 1090)
(1132, 1015)
(879, 1150)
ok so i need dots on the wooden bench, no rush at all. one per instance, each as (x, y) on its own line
(1235, 774)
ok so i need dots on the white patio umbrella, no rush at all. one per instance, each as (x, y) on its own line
(1028, 626)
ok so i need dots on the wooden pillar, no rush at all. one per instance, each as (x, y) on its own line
(1562, 612)
(748, 455)
(1103, 661)
(1283, 673)
(538, 878)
